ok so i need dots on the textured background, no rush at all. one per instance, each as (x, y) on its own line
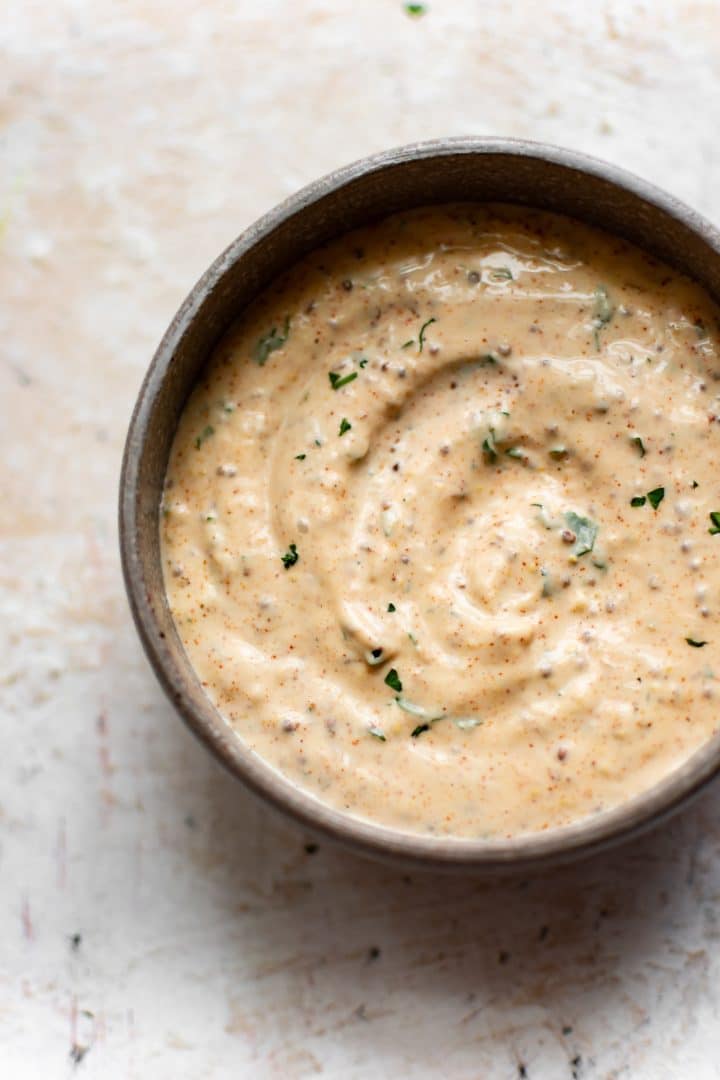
(155, 921)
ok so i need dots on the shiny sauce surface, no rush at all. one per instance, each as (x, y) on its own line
(438, 528)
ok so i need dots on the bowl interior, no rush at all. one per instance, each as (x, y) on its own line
(456, 170)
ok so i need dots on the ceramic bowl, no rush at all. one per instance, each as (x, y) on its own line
(447, 170)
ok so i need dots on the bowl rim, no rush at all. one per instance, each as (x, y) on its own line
(521, 852)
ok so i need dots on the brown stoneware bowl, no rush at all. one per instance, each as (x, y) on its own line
(447, 170)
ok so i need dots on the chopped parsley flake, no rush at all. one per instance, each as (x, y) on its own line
(363, 363)
(695, 644)
(300, 457)
(637, 441)
(392, 679)
(391, 607)
(715, 518)
(501, 273)
(345, 425)
(337, 381)
(656, 496)
(419, 730)
(272, 341)
(408, 344)
(290, 557)
(204, 434)
(603, 312)
(423, 328)
(638, 500)
(377, 734)
(489, 447)
(416, 9)
(488, 358)
(585, 533)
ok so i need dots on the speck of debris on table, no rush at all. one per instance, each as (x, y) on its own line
(77, 1053)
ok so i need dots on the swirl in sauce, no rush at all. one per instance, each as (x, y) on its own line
(437, 522)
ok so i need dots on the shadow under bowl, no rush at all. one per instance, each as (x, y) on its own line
(442, 171)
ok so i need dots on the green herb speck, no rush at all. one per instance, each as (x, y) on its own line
(272, 341)
(501, 273)
(638, 500)
(408, 344)
(695, 644)
(391, 607)
(345, 425)
(290, 557)
(715, 518)
(421, 335)
(637, 441)
(363, 363)
(204, 434)
(489, 447)
(392, 679)
(585, 533)
(656, 496)
(419, 730)
(603, 312)
(300, 457)
(337, 381)
(416, 9)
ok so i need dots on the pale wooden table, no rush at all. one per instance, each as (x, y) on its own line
(156, 922)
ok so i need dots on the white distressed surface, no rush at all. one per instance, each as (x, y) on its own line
(137, 138)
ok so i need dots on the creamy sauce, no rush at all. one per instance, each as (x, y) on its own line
(437, 526)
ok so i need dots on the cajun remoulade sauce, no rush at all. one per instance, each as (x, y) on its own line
(439, 526)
